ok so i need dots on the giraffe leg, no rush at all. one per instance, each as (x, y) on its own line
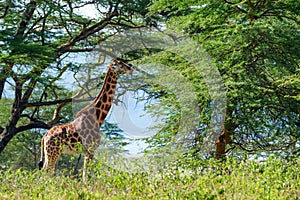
(87, 161)
(52, 163)
(51, 157)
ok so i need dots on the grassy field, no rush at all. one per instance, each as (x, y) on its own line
(273, 179)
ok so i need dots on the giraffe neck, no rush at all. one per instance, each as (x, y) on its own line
(103, 100)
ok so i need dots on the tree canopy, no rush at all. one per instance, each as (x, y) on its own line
(255, 45)
(37, 39)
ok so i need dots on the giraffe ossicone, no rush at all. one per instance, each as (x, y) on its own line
(82, 134)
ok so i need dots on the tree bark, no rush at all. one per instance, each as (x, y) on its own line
(6, 135)
(225, 138)
(221, 144)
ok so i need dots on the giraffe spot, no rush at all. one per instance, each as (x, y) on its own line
(87, 132)
(98, 104)
(96, 129)
(89, 139)
(107, 86)
(83, 127)
(108, 79)
(89, 125)
(107, 107)
(51, 143)
(92, 111)
(73, 141)
(102, 107)
(104, 97)
(110, 92)
(75, 134)
(64, 133)
(102, 117)
(90, 118)
(98, 113)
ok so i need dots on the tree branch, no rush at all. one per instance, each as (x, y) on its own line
(30, 8)
(43, 19)
(55, 119)
(127, 25)
(236, 6)
(88, 31)
(31, 125)
(243, 148)
(5, 12)
(97, 49)
(60, 101)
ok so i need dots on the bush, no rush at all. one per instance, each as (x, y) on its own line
(192, 179)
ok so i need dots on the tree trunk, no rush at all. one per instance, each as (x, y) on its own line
(225, 137)
(6, 135)
(10, 130)
(221, 143)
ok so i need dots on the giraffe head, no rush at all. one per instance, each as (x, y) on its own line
(120, 67)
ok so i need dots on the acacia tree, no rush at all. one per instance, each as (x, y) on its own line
(255, 45)
(37, 37)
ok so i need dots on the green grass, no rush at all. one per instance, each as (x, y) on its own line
(273, 179)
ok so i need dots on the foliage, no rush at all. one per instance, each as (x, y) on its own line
(24, 149)
(22, 152)
(272, 179)
(41, 43)
(4, 111)
(255, 45)
(178, 79)
(36, 62)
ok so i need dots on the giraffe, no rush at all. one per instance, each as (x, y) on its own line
(82, 134)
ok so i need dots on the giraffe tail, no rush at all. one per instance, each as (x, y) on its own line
(42, 153)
